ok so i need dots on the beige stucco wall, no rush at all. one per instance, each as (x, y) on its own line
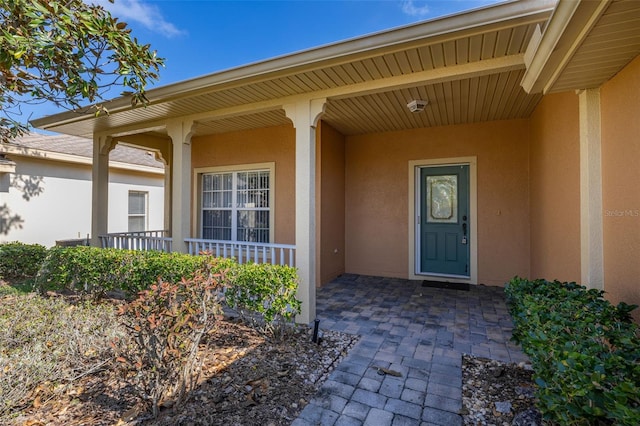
(272, 144)
(555, 188)
(620, 184)
(330, 218)
(377, 196)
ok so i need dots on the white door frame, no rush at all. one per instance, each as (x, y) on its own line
(414, 212)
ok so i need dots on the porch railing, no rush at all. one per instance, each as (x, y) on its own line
(277, 254)
(141, 240)
(243, 252)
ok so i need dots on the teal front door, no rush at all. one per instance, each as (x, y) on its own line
(444, 220)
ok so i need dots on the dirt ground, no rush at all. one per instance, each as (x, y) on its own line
(246, 379)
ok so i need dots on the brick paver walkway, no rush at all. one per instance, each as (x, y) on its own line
(416, 331)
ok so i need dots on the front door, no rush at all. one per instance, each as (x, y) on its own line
(444, 220)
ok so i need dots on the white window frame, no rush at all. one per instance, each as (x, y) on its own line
(239, 168)
(145, 215)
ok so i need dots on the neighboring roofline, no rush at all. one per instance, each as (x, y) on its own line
(567, 28)
(17, 150)
(334, 52)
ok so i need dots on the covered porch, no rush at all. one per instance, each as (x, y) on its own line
(346, 133)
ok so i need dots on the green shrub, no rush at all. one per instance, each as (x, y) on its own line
(268, 291)
(263, 293)
(585, 352)
(167, 323)
(18, 260)
(96, 271)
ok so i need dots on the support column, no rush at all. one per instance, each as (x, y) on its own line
(167, 157)
(591, 240)
(102, 146)
(180, 133)
(168, 205)
(305, 115)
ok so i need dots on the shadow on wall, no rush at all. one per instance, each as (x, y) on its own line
(9, 221)
(29, 186)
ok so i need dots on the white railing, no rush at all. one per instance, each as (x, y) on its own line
(142, 240)
(277, 254)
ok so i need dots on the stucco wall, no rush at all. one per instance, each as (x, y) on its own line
(331, 201)
(377, 196)
(620, 184)
(555, 188)
(120, 183)
(59, 205)
(272, 144)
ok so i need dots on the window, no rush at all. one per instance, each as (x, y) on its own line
(236, 205)
(137, 211)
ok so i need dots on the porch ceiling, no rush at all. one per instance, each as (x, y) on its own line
(467, 66)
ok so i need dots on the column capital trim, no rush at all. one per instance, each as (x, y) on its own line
(106, 143)
(181, 130)
(306, 112)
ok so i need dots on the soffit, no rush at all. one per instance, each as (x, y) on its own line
(354, 83)
(612, 43)
(584, 44)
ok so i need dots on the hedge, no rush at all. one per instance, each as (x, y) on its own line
(585, 352)
(97, 271)
(263, 290)
(266, 290)
(18, 260)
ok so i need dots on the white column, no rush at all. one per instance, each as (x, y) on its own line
(165, 155)
(305, 115)
(180, 133)
(102, 146)
(591, 241)
(167, 196)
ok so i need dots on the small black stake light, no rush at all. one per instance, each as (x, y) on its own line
(316, 326)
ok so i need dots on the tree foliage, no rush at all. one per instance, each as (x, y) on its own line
(69, 53)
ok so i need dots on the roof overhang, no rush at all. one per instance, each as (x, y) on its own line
(584, 44)
(470, 50)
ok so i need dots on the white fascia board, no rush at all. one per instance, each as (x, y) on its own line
(136, 167)
(339, 52)
(7, 168)
(75, 159)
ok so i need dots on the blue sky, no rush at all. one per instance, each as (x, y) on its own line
(198, 37)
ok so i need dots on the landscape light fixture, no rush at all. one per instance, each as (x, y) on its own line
(417, 105)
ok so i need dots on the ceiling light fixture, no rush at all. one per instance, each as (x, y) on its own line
(417, 105)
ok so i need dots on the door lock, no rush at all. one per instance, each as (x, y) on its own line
(464, 230)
